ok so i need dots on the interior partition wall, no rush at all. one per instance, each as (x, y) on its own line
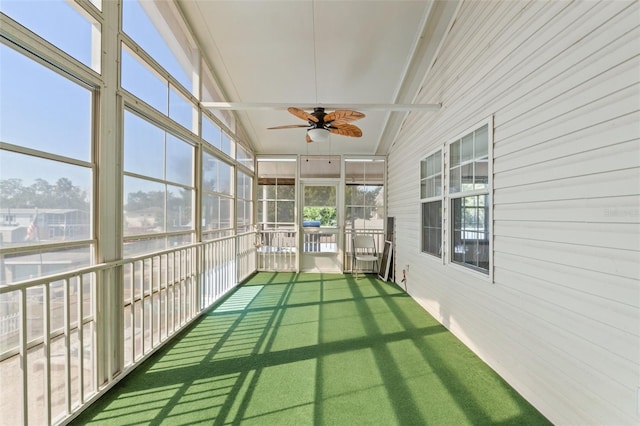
(126, 209)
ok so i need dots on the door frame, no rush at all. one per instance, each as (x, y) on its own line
(327, 262)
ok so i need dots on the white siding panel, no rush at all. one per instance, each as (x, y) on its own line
(599, 135)
(561, 321)
(582, 210)
(622, 263)
(617, 183)
(605, 235)
(617, 157)
(618, 289)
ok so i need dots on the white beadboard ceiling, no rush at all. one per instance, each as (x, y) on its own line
(266, 54)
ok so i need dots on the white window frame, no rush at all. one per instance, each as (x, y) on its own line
(450, 197)
(441, 198)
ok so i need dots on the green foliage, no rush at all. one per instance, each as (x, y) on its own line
(326, 215)
(61, 195)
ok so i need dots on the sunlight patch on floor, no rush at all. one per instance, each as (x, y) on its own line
(240, 299)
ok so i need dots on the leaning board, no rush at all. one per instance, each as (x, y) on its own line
(385, 264)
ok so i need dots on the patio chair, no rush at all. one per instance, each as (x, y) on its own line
(364, 250)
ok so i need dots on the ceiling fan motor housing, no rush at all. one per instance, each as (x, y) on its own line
(318, 113)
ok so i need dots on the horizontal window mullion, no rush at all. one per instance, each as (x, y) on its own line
(157, 180)
(137, 237)
(47, 54)
(34, 248)
(464, 194)
(45, 155)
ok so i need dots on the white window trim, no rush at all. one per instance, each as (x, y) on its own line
(448, 225)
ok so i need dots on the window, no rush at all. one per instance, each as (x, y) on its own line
(154, 28)
(466, 169)
(276, 193)
(469, 187)
(243, 156)
(81, 35)
(217, 197)
(245, 205)
(364, 193)
(212, 133)
(46, 174)
(431, 198)
(158, 187)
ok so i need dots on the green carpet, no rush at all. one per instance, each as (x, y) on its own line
(314, 349)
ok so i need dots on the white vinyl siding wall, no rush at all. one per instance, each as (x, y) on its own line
(561, 319)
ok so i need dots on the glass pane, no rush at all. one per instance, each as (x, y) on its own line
(454, 181)
(481, 174)
(211, 132)
(47, 18)
(30, 114)
(286, 192)
(481, 142)
(144, 245)
(467, 176)
(320, 206)
(181, 110)
(467, 148)
(227, 146)
(423, 169)
(143, 147)
(144, 206)
(437, 185)
(226, 213)
(286, 211)
(138, 79)
(454, 153)
(19, 267)
(146, 23)
(52, 200)
(243, 156)
(210, 212)
(179, 161)
(179, 208)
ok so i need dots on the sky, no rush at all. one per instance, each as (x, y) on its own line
(43, 110)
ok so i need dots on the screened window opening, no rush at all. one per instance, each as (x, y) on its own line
(244, 216)
(217, 198)
(158, 187)
(364, 194)
(82, 33)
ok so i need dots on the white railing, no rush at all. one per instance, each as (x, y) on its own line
(277, 250)
(49, 350)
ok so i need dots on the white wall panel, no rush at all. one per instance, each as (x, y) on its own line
(561, 320)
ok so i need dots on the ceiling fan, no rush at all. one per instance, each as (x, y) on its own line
(321, 123)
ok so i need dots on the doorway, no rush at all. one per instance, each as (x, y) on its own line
(320, 230)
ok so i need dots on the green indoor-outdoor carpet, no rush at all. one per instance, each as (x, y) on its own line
(314, 349)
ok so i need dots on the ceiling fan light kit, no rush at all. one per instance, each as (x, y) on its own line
(318, 135)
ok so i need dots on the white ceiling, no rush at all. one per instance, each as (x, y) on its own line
(319, 52)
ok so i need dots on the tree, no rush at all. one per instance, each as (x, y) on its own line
(63, 195)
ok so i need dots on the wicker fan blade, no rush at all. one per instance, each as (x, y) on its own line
(288, 126)
(343, 115)
(309, 138)
(302, 114)
(346, 130)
